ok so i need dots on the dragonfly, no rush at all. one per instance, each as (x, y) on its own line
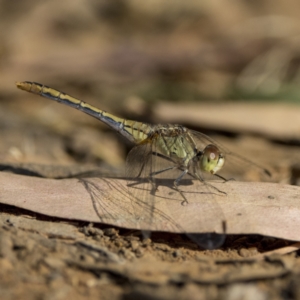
(169, 151)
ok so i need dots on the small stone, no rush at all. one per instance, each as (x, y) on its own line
(93, 231)
(139, 252)
(54, 263)
(131, 238)
(110, 232)
(147, 242)
(119, 243)
(134, 245)
(248, 252)
(127, 254)
(162, 247)
(177, 253)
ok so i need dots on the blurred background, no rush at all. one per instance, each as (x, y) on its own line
(230, 69)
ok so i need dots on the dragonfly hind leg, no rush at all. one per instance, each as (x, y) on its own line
(152, 179)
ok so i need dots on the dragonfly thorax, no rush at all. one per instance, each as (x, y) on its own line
(173, 141)
(179, 150)
(211, 159)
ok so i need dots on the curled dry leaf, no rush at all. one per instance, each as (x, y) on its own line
(248, 208)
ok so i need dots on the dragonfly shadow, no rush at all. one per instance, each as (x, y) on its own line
(209, 240)
(169, 183)
(159, 181)
(114, 205)
(20, 170)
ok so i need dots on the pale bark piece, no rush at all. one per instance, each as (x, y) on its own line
(248, 208)
(280, 251)
(274, 120)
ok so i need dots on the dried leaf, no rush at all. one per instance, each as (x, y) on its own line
(248, 208)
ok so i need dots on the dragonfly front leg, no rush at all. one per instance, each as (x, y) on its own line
(210, 185)
(204, 182)
(223, 178)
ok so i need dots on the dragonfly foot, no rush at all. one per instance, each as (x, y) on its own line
(184, 203)
(221, 192)
(230, 179)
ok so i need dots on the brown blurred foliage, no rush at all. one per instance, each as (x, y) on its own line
(170, 50)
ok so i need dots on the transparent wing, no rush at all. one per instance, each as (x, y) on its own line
(140, 188)
(110, 199)
(146, 170)
(236, 165)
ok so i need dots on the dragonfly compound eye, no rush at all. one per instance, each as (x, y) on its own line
(212, 160)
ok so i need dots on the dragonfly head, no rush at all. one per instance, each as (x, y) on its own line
(211, 159)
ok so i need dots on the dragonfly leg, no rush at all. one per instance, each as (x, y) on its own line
(161, 171)
(153, 185)
(210, 185)
(176, 184)
(152, 179)
(163, 156)
(223, 178)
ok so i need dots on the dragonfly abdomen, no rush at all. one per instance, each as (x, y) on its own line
(132, 130)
